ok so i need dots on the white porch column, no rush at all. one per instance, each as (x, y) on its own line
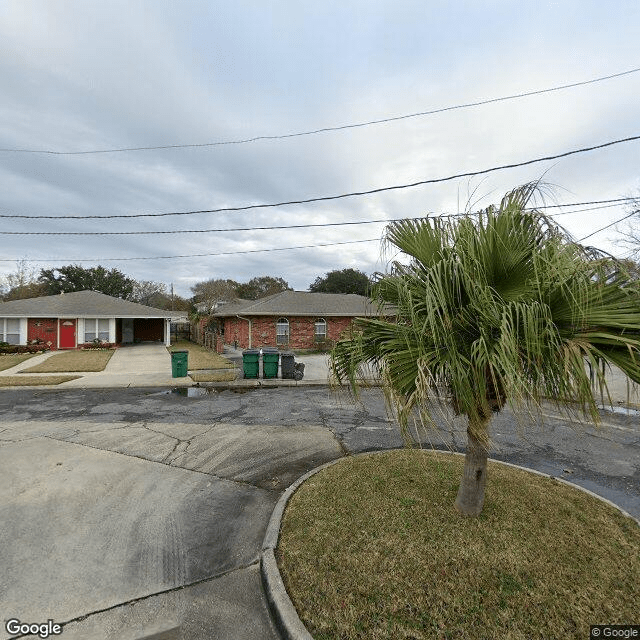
(23, 331)
(167, 332)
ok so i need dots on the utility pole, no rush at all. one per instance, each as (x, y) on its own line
(172, 296)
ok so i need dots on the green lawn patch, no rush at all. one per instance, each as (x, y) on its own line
(201, 358)
(33, 381)
(214, 376)
(373, 548)
(11, 360)
(73, 361)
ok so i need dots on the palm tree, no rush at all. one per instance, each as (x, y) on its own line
(496, 308)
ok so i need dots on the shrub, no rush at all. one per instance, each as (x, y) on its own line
(97, 345)
(19, 348)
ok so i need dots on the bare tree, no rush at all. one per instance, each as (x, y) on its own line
(148, 292)
(22, 283)
(630, 232)
(210, 293)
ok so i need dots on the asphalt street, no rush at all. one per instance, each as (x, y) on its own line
(131, 512)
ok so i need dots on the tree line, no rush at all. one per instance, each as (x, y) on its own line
(31, 283)
(209, 293)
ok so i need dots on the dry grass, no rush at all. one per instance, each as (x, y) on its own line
(215, 376)
(372, 548)
(33, 381)
(201, 358)
(89, 360)
(12, 359)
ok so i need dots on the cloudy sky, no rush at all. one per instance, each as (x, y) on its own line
(93, 76)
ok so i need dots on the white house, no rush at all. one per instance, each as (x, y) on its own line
(67, 320)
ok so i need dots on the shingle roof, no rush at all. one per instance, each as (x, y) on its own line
(302, 303)
(80, 304)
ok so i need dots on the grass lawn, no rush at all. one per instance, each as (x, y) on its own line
(90, 360)
(32, 381)
(201, 358)
(12, 359)
(215, 376)
(373, 548)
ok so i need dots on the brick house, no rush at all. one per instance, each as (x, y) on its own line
(290, 319)
(68, 320)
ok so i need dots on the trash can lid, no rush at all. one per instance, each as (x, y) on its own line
(251, 351)
(287, 353)
(182, 351)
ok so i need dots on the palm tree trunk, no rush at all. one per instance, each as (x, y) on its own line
(470, 499)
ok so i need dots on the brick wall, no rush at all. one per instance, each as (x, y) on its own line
(263, 331)
(45, 329)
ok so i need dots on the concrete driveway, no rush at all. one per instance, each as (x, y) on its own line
(136, 365)
(146, 364)
(133, 512)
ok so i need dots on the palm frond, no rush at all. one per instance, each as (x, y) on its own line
(502, 306)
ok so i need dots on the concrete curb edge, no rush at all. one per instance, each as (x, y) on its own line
(284, 613)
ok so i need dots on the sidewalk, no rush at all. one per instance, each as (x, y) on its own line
(149, 365)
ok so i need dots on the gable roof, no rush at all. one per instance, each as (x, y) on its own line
(302, 303)
(79, 304)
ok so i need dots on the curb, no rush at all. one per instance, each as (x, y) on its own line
(282, 610)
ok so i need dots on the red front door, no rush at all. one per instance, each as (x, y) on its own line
(67, 334)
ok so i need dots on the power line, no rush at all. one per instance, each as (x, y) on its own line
(576, 204)
(299, 134)
(181, 231)
(279, 227)
(140, 215)
(633, 213)
(468, 174)
(227, 253)
(192, 255)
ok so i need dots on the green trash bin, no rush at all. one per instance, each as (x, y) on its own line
(270, 358)
(179, 364)
(251, 363)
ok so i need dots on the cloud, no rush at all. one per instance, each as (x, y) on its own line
(83, 76)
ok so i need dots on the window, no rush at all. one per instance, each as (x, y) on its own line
(96, 328)
(10, 330)
(320, 330)
(282, 331)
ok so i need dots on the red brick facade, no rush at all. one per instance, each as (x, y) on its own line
(45, 329)
(263, 331)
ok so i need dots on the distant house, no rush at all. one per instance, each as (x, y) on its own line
(291, 319)
(68, 320)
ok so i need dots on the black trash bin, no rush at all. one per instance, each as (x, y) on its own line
(251, 363)
(270, 358)
(287, 365)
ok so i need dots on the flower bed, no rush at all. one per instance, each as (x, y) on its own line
(19, 348)
(97, 345)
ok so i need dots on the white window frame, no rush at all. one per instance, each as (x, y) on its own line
(320, 336)
(98, 328)
(5, 332)
(282, 331)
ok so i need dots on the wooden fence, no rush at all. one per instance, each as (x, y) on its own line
(200, 334)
